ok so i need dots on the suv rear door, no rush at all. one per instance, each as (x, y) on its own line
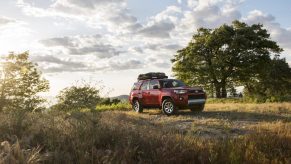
(154, 93)
(145, 93)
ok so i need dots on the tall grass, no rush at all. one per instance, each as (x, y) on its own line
(119, 137)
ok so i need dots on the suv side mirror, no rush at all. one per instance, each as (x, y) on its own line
(156, 87)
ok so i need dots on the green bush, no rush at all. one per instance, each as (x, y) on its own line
(112, 107)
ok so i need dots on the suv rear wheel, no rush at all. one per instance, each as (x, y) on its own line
(136, 106)
(168, 107)
(198, 108)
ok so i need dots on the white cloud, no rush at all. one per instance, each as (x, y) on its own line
(113, 14)
(96, 45)
(278, 33)
(50, 64)
(159, 30)
(125, 65)
(5, 21)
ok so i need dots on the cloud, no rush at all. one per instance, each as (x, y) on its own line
(83, 45)
(209, 14)
(159, 30)
(162, 24)
(158, 62)
(52, 64)
(113, 14)
(5, 21)
(100, 50)
(125, 65)
(278, 33)
(53, 42)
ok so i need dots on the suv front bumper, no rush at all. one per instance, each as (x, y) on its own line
(196, 101)
(189, 100)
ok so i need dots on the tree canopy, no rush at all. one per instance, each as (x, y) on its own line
(227, 56)
(20, 83)
(273, 83)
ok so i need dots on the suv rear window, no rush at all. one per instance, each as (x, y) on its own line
(172, 83)
(153, 83)
(145, 85)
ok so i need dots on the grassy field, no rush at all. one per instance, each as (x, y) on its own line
(223, 133)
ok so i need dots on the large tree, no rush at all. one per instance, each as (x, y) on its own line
(20, 83)
(225, 56)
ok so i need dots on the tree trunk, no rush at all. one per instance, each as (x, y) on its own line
(217, 90)
(223, 90)
(212, 90)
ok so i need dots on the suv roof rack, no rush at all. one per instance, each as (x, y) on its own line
(152, 75)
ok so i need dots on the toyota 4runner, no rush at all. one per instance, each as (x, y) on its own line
(155, 90)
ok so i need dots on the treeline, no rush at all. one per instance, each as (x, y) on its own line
(21, 84)
(235, 55)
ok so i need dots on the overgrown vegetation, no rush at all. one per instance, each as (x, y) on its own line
(127, 137)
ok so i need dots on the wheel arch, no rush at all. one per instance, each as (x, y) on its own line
(164, 98)
(134, 98)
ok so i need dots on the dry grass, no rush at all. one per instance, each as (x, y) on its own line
(224, 133)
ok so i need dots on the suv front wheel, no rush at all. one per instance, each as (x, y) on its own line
(168, 107)
(136, 106)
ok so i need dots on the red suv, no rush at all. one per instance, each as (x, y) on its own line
(155, 90)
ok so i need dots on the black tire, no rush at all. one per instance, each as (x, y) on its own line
(198, 108)
(168, 107)
(136, 106)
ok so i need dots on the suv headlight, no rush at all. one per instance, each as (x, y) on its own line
(180, 91)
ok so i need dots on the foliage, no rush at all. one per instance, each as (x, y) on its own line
(227, 56)
(77, 98)
(273, 84)
(20, 83)
(118, 107)
(108, 101)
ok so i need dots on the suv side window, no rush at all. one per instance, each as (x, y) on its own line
(153, 83)
(145, 85)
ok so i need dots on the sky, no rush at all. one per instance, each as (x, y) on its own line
(110, 42)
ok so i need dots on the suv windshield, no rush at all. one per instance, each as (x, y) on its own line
(172, 83)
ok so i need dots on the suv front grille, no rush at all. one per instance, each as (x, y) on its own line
(195, 91)
(200, 96)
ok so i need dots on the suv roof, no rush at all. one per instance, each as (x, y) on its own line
(152, 75)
